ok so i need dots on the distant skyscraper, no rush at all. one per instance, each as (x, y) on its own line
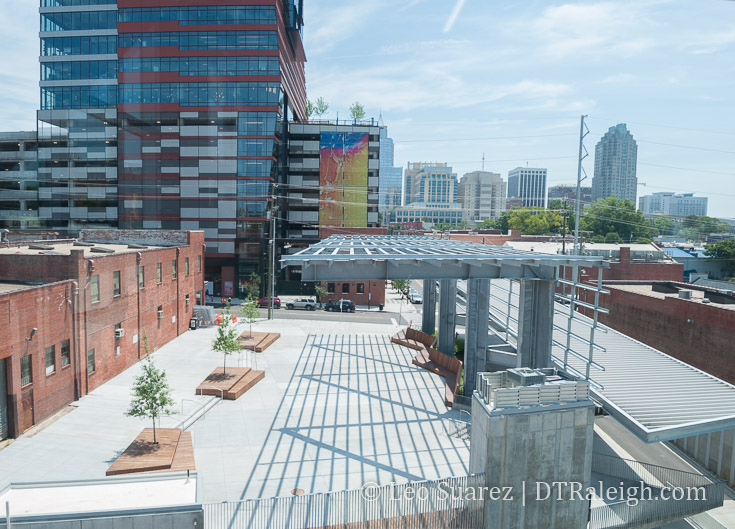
(431, 183)
(676, 205)
(616, 156)
(482, 195)
(528, 184)
(391, 178)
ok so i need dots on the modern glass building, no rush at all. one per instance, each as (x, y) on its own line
(160, 115)
(391, 178)
(529, 185)
(616, 159)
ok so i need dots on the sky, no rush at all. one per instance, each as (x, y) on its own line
(458, 79)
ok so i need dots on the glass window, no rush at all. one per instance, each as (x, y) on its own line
(141, 276)
(116, 283)
(345, 288)
(174, 266)
(90, 361)
(330, 288)
(186, 267)
(50, 359)
(26, 372)
(95, 288)
(65, 353)
(360, 288)
(199, 263)
(159, 273)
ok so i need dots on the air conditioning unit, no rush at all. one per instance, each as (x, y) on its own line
(160, 314)
(119, 333)
(685, 294)
(187, 301)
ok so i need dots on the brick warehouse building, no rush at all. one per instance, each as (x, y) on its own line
(102, 299)
(698, 328)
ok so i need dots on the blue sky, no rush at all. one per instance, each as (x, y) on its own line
(454, 80)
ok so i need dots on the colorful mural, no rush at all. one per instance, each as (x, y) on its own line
(343, 179)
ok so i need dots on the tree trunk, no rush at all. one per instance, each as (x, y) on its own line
(224, 366)
(251, 330)
(154, 431)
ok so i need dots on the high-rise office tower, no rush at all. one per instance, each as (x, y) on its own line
(430, 183)
(616, 156)
(674, 204)
(482, 195)
(391, 178)
(156, 114)
(528, 184)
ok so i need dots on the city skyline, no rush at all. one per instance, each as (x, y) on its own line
(592, 58)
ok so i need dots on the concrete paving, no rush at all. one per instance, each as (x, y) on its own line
(337, 409)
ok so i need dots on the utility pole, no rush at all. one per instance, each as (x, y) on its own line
(272, 255)
(583, 131)
(564, 228)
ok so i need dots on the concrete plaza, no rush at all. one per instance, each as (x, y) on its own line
(340, 406)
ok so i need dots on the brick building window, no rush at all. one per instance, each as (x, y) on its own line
(95, 288)
(65, 353)
(141, 277)
(50, 360)
(90, 361)
(345, 288)
(360, 288)
(330, 288)
(173, 269)
(117, 327)
(116, 283)
(26, 373)
(186, 267)
(159, 273)
(199, 263)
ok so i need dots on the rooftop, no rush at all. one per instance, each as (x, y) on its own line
(65, 247)
(651, 289)
(14, 287)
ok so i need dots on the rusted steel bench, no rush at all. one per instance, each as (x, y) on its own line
(414, 339)
(443, 365)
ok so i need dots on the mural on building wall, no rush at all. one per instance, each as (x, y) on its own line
(343, 179)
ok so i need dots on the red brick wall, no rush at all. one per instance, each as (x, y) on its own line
(698, 334)
(373, 292)
(96, 321)
(46, 309)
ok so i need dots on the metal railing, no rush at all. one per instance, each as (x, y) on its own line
(438, 504)
(659, 494)
(458, 427)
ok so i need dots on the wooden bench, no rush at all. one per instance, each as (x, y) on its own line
(443, 365)
(414, 339)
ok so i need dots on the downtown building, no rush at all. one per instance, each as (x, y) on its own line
(568, 193)
(391, 178)
(482, 195)
(673, 204)
(616, 158)
(157, 115)
(529, 185)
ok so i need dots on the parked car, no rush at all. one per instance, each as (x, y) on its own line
(263, 302)
(304, 303)
(416, 299)
(343, 305)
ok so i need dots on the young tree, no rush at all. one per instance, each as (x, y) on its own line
(151, 394)
(357, 111)
(250, 312)
(321, 107)
(310, 109)
(226, 340)
(252, 287)
(321, 293)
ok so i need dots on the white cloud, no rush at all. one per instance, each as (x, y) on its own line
(711, 42)
(453, 16)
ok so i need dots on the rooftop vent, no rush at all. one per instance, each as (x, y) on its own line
(82, 243)
(99, 249)
(525, 376)
(45, 247)
(685, 294)
(706, 300)
(137, 246)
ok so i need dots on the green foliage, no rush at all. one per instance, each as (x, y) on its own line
(459, 348)
(226, 340)
(488, 224)
(250, 312)
(699, 227)
(151, 394)
(614, 215)
(503, 220)
(613, 238)
(321, 292)
(309, 108)
(357, 111)
(534, 222)
(444, 226)
(252, 287)
(725, 252)
(565, 209)
(321, 107)
(664, 226)
(402, 285)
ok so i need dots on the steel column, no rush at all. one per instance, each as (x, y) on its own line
(477, 320)
(428, 316)
(447, 310)
(535, 323)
